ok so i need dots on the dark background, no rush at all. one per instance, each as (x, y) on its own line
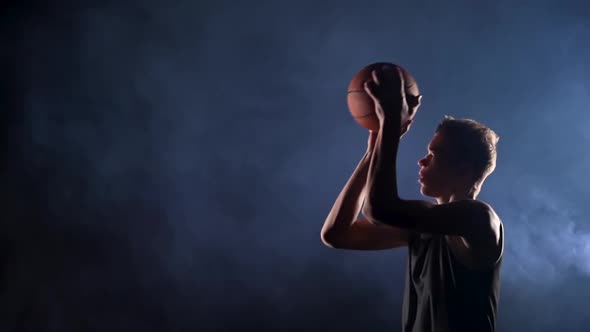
(168, 165)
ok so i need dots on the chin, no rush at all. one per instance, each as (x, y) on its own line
(428, 192)
(424, 191)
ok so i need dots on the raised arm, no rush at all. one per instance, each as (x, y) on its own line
(343, 230)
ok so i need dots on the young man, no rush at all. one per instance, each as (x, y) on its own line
(455, 246)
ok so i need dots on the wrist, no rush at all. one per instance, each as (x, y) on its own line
(368, 154)
(390, 125)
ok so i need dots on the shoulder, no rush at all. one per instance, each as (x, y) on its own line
(484, 220)
(478, 211)
(478, 218)
(483, 244)
(487, 213)
(473, 205)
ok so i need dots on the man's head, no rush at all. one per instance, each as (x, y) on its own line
(460, 156)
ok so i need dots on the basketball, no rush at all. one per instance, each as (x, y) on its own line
(361, 105)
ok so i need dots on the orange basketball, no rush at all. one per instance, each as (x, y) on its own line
(361, 105)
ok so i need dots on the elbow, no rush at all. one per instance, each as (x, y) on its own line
(330, 239)
(327, 239)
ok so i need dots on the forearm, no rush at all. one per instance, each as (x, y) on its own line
(348, 204)
(382, 180)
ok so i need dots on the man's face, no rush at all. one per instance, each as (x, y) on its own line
(436, 171)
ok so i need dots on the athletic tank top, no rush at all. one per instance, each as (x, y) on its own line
(443, 295)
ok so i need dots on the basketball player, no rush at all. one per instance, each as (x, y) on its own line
(455, 246)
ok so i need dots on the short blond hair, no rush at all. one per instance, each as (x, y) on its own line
(472, 143)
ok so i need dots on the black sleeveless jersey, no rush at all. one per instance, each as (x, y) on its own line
(443, 295)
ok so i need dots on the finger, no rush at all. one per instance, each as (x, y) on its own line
(406, 128)
(370, 88)
(383, 74)
(402, 81)
(386, 74)
(376, 77)
(418, 101)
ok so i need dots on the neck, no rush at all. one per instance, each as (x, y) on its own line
(458, 196)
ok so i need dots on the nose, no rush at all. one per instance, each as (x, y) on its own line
(423, 162)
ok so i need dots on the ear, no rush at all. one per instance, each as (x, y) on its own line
(465, 170)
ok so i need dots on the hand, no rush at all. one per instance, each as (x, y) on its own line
(387, 89)
(372, 140)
